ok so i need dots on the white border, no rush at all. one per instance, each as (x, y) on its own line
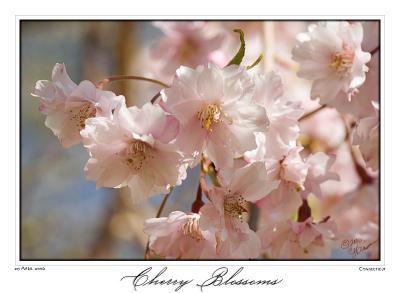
(214, 263)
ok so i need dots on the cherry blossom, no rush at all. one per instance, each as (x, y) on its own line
(281, 204)
(366, 136)
(67, 105)
(289, 174)
(330, 54)
(179, 236)
(283, 115)
(296, 178)
(185, 44)
(319, 171)
(132, 149)
(216, 116)
(298, 240)
(361, 103)
(224, 214)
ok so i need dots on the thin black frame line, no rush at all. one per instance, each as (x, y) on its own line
(183, 20)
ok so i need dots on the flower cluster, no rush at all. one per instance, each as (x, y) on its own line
(268, 194)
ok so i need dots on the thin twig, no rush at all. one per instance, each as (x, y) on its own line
(305, 116)
(374, 50)
(105, 81)
(160, 209)
(154, 99)
(361, 171)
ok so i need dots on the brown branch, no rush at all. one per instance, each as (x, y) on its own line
(105, 81)
(374, 50)
(361, 171)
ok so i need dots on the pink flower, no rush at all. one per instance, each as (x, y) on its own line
(361, 103)
(282, 114)
(281, 204)
(132, 149)
(319, 165)
(216, 114)
(293, 168)
(67, 105)
(179, 236)
(330, 54)
(298, 240)
(366, 136)
(290, 168)
(288, 175)
(277, 146)
(185, 43)
(295, 178)
(223, 215)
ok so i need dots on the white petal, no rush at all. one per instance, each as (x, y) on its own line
(251, 182)
(60, 76)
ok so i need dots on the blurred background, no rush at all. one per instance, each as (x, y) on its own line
(63, 216)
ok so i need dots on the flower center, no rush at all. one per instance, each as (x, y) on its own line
(234, 206)
(342, 62)
(191, 228)
(80, 114)
(136, 154)
(209, 115)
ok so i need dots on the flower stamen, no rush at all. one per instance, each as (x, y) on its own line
(136, 154)
(191, 228)
(80, 114)
(234, 206)
(341, 62)
(209, 115)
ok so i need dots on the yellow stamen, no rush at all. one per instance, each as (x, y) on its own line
(209, 115)
(342, 62)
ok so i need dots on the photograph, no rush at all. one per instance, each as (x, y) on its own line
(199, 139)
